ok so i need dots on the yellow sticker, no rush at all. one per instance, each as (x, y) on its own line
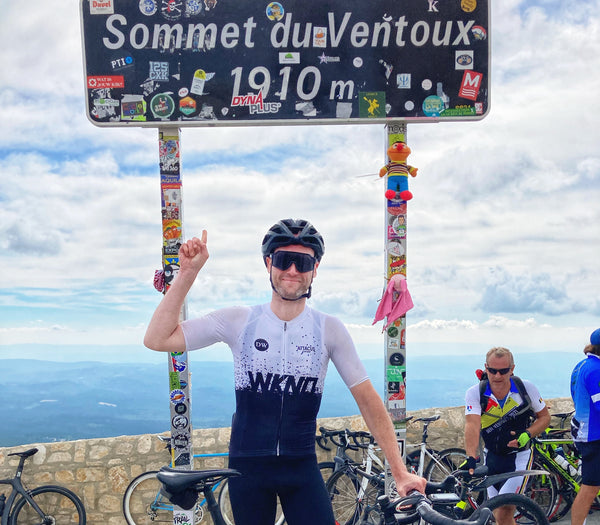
(468, 6)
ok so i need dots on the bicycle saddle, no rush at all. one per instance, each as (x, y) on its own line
(25, 454)
(180, 486)
(178, 480)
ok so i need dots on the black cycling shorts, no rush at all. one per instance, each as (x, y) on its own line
(297, 482)
(590, 462)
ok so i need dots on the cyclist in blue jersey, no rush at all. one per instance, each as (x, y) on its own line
(281, 350)
(585, 426)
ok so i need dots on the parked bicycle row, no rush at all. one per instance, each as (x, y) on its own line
(354, 479)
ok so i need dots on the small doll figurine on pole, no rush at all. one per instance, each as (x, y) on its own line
(397, 171)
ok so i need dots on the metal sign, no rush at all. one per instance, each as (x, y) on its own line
(220, 62)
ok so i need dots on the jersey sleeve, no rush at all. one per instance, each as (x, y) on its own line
(223, 325)
(592, 385)
(472, 401)
(537, 403)
(343, 353)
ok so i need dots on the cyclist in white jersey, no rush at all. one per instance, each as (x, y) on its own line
(281, 351)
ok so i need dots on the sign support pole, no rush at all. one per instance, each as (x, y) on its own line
(395, 335)
(180, 388)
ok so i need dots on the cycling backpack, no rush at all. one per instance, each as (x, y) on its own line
(484, 399)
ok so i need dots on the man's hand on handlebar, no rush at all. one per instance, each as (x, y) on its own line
(410, 482)
(469, 464)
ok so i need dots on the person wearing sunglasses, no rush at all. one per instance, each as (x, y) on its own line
(506, 412)
(281, 350)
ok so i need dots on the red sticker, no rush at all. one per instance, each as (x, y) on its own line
(106, 81)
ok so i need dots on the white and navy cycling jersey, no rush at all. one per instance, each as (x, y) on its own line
(280, 369)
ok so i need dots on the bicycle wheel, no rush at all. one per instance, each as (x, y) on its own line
(351, 495)
(443, 463)
(565, 494)
(327, 468)
(226, 511)
(527, 511)
(58, 504)
(543, 489)
(143, 502)
(343, 487)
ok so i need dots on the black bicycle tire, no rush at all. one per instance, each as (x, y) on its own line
(565, 493)
(326, 468)
(543, 489)
(522, 502)
(343, 487)
(563, 504)
(44, 489)
(442, 457)
(564, 499)
(135, 482)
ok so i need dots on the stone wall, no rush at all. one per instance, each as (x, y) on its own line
(99, 470)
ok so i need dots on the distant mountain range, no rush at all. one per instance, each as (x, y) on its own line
(46, 401)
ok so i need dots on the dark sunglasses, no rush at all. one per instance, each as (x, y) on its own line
(494, 371)
(303, 262)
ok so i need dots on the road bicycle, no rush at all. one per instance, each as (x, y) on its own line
(45, 505)
(354, 486)
(182, 487)
(433, 465)
(351, 507)
(556, 491)
(351, 493)
(143, 501)
(420, 508)
(471, 495)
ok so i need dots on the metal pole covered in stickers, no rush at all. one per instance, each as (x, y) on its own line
(397, 195)
(180, 387)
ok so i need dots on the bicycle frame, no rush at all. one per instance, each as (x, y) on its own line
(478, 483)
(545, 448)
(423, 445)
(17, 489)
(424, 453)
(371, 458)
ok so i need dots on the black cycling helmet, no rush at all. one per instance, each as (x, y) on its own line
(293, 231)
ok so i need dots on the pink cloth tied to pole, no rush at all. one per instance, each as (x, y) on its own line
(159, 280)
(394, 308)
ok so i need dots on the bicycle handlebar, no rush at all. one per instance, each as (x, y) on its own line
(362, 439)
(333, 436)
(321, 440)
(416, 505)
(430, 515)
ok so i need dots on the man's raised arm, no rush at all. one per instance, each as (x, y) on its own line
(164, 333)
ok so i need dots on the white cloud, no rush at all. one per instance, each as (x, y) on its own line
(502, 230)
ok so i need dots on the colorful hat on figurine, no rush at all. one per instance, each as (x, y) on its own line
(595, 337)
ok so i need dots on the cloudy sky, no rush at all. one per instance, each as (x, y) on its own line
(502, 232)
